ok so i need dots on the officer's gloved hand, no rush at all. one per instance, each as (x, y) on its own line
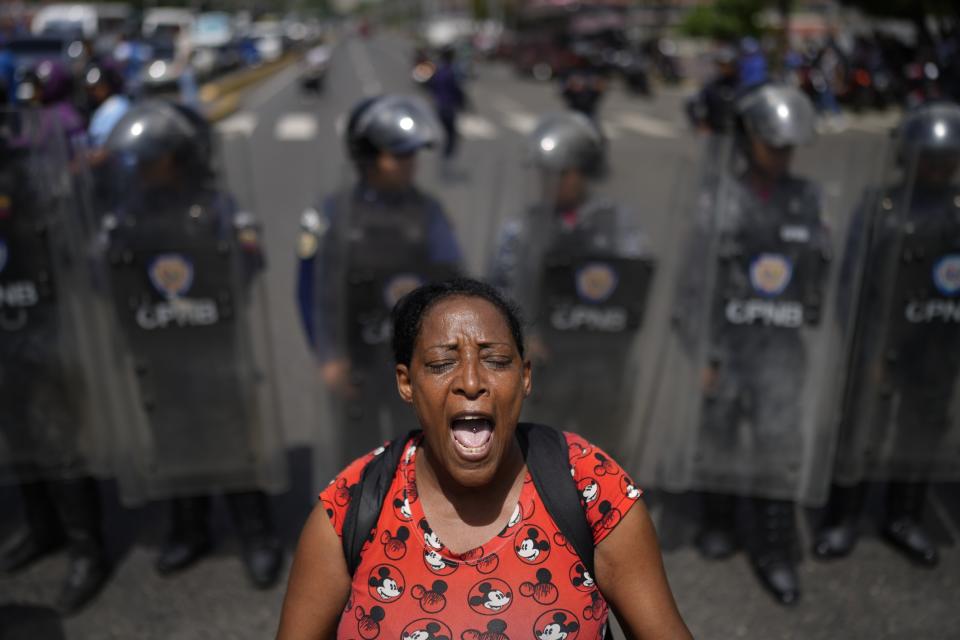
(336, 375)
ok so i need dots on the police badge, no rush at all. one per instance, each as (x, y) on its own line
(946, 274)
(770, 274)
(596, 282)
(171, 274)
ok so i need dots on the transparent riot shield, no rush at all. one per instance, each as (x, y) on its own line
(53, 415)
(753, 372)
(901, 419)
(361, 249)
(186, 273)
(585, 260)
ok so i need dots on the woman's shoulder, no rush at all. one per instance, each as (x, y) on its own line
(606, 490)
(336, 495)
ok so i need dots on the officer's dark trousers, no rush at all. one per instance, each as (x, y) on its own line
(250, 511)
(54, 509)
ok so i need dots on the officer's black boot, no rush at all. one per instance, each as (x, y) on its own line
(717, 538)
(837, 533)
(903, 526)
(41, 532)
(772, 549)
(262, 552)
(78, 502)
(189, 537)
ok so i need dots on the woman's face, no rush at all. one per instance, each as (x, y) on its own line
(467, 382)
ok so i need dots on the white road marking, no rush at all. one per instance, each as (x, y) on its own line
(520, 121)
(239, 124)
(296, 126)
(610, 129)
(476, 127)
(646, 125)
(874, 122)
(361, 62)
(505, 104)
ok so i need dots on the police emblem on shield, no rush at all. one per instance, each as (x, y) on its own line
(171, 274)
(946, 274)
(770, 274)
(399, 286)
(3, 255)
(596, 281)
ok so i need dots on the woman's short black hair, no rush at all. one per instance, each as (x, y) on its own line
(408, 313)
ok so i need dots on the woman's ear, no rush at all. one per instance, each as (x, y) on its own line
(403, 383)
(527, 378)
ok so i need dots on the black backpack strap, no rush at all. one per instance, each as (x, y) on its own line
(367, 497)
(548, 460)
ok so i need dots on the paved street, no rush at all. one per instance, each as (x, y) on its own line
(283, 149)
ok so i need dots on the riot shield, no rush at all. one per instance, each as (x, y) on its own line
(901, 419)
(52, 411)
(586, 265)
(186, 275)
(361, 249)
(753, 370)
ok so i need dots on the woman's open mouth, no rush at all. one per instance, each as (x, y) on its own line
(472, 435)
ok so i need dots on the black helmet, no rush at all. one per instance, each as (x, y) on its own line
(567, 140)
(104, 73)
(934, 126)
(155, 128)
(779, 115)
(396, 124)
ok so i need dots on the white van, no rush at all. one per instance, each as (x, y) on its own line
(163, 23)
(81, 20)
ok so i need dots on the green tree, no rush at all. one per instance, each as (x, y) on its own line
(724, 19)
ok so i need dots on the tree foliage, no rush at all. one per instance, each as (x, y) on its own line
(724, 19)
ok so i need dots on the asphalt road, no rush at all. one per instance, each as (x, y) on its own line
(281, 150)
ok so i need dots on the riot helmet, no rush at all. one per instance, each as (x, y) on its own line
(928, 144)
(566, 152)
(772, 120)
(779, 115)
(567, 141)
(158, 141)
(395, 124)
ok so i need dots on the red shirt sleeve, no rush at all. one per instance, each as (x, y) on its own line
(606, 491)
(336, 496)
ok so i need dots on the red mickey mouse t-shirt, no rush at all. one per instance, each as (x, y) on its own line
(526, 582)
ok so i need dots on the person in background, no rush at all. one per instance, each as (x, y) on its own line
(449, 99)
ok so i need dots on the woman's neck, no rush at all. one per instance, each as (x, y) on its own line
(474, 506)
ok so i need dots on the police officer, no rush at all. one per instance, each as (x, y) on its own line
(578, 263)
(899, 419)
(772, 254)
(359, 251)
(44, 370)
(183, 268)
(712, 108)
